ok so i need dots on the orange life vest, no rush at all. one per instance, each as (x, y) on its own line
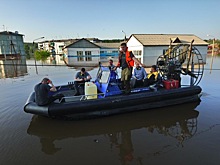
(128, 59)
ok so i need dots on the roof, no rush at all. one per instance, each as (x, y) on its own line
(61, 40)
(11, 33)
(164, 39)
(85, 44)
(108, 45)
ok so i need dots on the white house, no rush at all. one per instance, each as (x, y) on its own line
(147, 47)
(82, 52)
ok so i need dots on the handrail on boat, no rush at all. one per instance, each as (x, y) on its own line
(83, 97)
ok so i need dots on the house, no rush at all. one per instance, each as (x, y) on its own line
(11, 45)
(82, 53)
(12, 55)
(147, 47)
(108, 49)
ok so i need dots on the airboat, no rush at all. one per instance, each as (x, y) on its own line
(181, 69)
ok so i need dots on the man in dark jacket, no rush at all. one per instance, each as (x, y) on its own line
(80, 79)
(42, 90)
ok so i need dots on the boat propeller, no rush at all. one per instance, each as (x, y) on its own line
(181, 61)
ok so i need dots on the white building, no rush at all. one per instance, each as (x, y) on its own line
(147, 47)
(86, 53)
(82, 52)
(55, 47)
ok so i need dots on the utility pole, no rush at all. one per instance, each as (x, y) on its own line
(125, 39)
(34, 54)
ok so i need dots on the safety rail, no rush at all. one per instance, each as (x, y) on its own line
(80, 98)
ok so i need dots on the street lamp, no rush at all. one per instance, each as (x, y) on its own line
(124, 34)
(34, 54)
(213, 48)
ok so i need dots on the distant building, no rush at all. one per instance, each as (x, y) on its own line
(147, 47)
(55, 47)
(108, 49)
(82, 52)
(12, 55)
(11, 45)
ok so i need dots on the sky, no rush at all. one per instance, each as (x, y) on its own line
(62, 19)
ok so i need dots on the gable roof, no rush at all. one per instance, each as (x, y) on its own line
(164, 39)
(82, 43)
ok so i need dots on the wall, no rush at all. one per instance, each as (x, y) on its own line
(73, 60)
(203, 51)
(108, 52)
(151, 53)
(134, 45)
(17, 40)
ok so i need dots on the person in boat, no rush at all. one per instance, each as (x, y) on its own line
(139, 76)
(42, 92)
(80, 79)
(111, 65)
(113, 71)
(152, 77)
(126, 62)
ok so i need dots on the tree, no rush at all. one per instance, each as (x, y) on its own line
(27, 51)
(41, 55)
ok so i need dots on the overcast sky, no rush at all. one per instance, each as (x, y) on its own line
(60, 19)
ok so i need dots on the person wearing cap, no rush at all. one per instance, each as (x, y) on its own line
(42, 93)
(80, 79)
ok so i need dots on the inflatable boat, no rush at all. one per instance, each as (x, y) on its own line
(109, 99)
(104, 97)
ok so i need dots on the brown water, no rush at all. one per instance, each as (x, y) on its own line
(185, 134)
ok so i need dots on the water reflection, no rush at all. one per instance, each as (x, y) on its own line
(177, 122)
(12, 68)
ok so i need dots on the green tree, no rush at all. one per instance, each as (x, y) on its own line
(41, 55)
(27, 51)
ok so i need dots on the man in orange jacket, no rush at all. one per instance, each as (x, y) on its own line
(126, 61)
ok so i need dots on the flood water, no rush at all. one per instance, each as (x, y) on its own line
(185, 134)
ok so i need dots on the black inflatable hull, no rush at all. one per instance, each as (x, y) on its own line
(115, 104)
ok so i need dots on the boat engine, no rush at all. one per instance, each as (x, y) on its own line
(181, 60)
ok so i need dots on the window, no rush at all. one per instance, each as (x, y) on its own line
(137, 52)
(80, 56)
(60, 48)
(88, 55)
